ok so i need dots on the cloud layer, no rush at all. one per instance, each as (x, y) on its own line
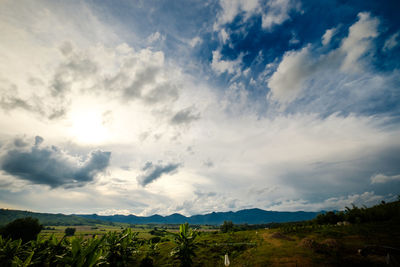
(204, 105)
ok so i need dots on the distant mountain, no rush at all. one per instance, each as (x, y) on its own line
(249, 216)
(7, 216)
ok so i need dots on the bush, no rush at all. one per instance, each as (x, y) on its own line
(70, 231)
(25, 229)
(226, 227)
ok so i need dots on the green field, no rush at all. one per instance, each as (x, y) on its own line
(355, 237)
(327, 245)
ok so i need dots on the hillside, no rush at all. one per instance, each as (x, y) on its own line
(249, 216)
(7, 216)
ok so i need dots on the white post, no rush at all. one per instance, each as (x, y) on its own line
(227, 262)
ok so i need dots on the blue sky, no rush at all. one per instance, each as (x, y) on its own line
(151, 107)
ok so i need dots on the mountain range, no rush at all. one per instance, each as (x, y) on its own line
(249, 216)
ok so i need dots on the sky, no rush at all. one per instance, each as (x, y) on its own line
(193, 106)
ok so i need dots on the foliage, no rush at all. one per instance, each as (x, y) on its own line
(24, 228)
(70, 231)
(305, 243)
(185, 246)
(84, 253)
(7, 216)
(381, 212)
(121, 248)
(226, 227)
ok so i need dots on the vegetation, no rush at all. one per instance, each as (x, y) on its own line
(226, 227)
(381, 212)
(70, 231)
(319, 242)
(7, 216)
(25, 229)
(185, 246)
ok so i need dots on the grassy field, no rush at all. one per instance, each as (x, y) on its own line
(326, 245)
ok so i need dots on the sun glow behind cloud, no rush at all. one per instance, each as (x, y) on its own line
(88, 127)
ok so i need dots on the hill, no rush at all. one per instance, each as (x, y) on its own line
(7, 216)
(249, 216)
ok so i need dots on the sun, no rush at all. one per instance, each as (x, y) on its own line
(88, 127)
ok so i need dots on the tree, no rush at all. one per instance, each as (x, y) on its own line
(122, 248)
(70, 231)
(184, 251)
(226, 227)
(25, 229)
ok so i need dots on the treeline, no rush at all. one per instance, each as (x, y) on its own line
(381, 212)
(354, 215)
(7, 216)
(229, 226)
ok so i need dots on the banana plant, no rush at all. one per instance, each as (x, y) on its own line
(185, 249)
(10, 251)
(85, 253)
(121, 248)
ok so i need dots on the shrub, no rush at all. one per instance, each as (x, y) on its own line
(25, 229)
(70, 231)
(226, 227)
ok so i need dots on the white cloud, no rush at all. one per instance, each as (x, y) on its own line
(277, 12)
(224, 36)
(359, 40)
(334, 203)
(298, 67)
(326, 38)
(220, 66)
(287, 81)
(195, 41)
(391, 42)
(231, 8)
(129, 100)
(381, 178)
(154, 37)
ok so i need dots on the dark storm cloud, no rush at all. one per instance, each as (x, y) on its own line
(152, 172)
(51, 166)
(184, 116)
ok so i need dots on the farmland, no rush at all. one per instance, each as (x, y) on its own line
(370, 237)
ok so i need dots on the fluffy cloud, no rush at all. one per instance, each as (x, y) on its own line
(221, 66)
(334, 203)
(326, 38)
(295, 68)
(381, 178)
(277, 12)
(358, 41)
(298, 67)
(11, 100)
(52, 166)
(231, 8)
(184, 116)
(128, 96)
(154, 171)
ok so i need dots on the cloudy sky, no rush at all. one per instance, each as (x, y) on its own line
(196, 106)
